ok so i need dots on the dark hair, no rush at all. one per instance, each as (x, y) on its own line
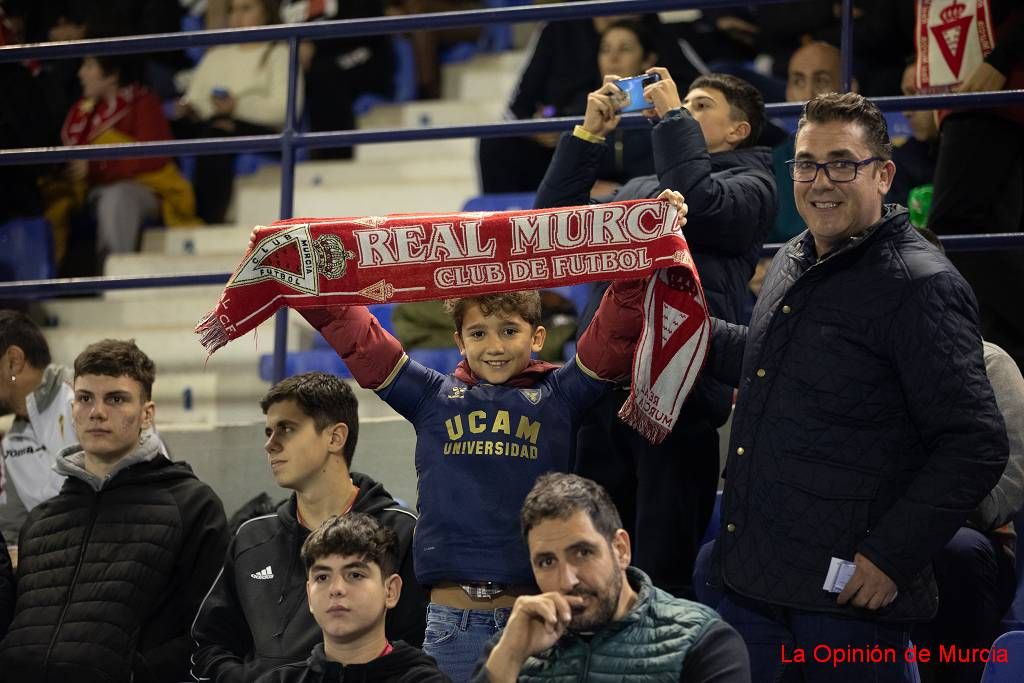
(128, 68)
(744, 100)
(849, 107)
(642, 33)
(117, 358)
(325, 398)
(557, 495)
(356, 534)
(17, 329)
(526, 304)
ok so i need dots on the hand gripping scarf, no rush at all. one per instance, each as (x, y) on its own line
(316, 262)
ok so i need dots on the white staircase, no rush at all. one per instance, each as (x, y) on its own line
(193, 391)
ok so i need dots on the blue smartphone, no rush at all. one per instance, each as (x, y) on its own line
(634, 88)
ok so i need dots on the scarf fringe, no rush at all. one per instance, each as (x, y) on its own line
(631, 414)
(212, 334)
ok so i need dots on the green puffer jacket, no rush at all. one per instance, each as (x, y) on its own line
(649, 643)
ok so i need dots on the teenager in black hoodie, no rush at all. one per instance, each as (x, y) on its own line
(255, 616)
(351, 584)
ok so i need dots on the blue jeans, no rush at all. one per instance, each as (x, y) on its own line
(456, 637)
(776, 636)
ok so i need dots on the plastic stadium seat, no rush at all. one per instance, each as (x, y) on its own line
(500, 201)
(298, 362)
(579, 295)
(26, 249)
(442, 360)
(1011, 671)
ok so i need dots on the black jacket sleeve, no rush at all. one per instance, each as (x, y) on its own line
(725, 358)
(408, 620)
(6, 588)
(728, 212)
(164, 652)
(571, 174)
(718, 656)
(220, 633)
(936, 348)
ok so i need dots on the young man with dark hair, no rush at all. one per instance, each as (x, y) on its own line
(705, 146)
(111, 569)
(351, 583)
(39, 394)
(255, 617)
(865, 430)
(599, 618)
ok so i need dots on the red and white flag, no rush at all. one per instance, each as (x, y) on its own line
(953, 38)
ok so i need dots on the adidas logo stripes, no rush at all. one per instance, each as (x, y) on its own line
(264, 574)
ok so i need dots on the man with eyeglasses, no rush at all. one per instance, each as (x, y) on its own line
(865, 428)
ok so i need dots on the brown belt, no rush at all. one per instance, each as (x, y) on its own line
(452, 595)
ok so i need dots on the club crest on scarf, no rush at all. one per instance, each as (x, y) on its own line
(293, 258)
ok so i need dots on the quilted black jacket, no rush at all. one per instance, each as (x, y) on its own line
(864, 423)
(108, 580)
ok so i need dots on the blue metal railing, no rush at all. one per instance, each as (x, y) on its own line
(289, 140)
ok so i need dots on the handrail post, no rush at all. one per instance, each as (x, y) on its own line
(287, 195)
(846, 46)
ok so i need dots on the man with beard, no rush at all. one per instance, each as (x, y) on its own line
(597, 616)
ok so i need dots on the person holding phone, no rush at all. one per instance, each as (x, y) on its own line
(567, 62)
(703, 144)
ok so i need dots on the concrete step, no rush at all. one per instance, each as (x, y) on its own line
(145, 263)
(207, 397)
(130, 314)
(339, 174)
(423, 113)
(204, 239)
(177, 349)
(400, 153)
(427, 195)
(495, 74)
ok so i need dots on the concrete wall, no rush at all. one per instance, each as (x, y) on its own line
(231, 459)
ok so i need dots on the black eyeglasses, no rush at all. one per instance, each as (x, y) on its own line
(841, 171)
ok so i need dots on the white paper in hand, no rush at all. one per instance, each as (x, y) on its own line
(839, 572)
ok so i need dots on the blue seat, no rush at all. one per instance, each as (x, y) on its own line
(380, 311)
(1012, 670)
(298, 362)
(500, 201)
(26, 249)
(442, 360)
(579, 295)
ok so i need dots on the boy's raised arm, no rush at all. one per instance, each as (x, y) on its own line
(606, 348)
(370, 352)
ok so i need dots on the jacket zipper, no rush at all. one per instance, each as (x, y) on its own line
(74, 580)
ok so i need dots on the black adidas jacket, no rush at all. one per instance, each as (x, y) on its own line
(256, 618)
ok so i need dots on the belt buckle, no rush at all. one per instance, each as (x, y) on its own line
(483, 591)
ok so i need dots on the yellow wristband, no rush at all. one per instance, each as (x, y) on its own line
(585, 135)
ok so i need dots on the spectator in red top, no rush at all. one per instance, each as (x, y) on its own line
(121, 194)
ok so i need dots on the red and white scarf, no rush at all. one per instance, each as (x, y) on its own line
(315, 262)
(953, 38)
